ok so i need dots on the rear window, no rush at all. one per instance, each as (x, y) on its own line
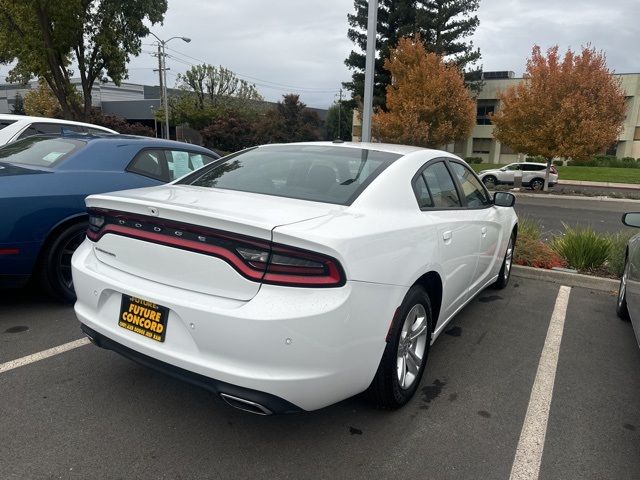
(39, 151)
(308, 172)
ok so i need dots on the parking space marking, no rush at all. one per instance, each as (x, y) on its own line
(526, 464)
(36, 357)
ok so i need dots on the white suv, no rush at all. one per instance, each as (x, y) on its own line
(532, 175)
(15, 127)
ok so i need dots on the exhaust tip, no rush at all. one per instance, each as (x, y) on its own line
(245, 405)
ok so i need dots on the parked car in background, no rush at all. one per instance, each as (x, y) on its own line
(44, 180)
(629, 290)
(16, 127)
(290, 277)
(532, 175)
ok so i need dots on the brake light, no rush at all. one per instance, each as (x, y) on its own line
(553, 170)
(255, 259)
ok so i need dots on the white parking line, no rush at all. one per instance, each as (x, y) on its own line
(526, 464)
(36, 357)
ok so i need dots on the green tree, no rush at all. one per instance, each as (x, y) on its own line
(44, 37)
(289, 121)
(338, 121)
(213, 84)
(18, 105)
(443, 25)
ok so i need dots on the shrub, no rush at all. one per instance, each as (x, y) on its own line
(558, 163)
(615, 260)
(531, 251)
(629, 162)
(582, 247)
(536, 159)
(473, 160)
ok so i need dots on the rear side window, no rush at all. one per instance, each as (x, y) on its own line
(150, 163)
(441, 186)
(533, 168)
(167, 165)
(310, 172)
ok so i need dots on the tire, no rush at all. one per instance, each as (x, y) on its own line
(55, 270)
(621, 306)
(490, 181)
(396, 381)
(536, 184)
(507, 263)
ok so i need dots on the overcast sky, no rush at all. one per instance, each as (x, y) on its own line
(300, 45)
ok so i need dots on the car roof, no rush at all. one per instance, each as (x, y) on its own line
(128, 139)
(27, 118)
(381, 147)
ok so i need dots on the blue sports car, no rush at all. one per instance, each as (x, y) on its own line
(44, 180)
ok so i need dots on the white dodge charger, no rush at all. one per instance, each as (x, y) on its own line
(289, 277)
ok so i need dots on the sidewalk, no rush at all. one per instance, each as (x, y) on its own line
(628, 186)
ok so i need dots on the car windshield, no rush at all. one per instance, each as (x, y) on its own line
(39, 151)
(310, 172)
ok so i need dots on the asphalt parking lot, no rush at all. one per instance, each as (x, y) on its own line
(88, 413)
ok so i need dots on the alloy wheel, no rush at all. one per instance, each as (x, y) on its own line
(412, 346)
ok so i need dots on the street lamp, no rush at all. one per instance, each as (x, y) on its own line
(163, 70)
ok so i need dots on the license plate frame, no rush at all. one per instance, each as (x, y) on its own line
(143, 317)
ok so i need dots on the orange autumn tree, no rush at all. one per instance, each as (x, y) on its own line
(428, 104)
(569, 107)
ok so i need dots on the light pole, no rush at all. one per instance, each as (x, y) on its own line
(372, 24)
(163, 69)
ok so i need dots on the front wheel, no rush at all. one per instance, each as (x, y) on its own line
(505, 270)
(405, 356)
(490, 181)
(621, 308)
(55, 274)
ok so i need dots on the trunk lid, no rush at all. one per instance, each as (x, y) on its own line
(187, 236)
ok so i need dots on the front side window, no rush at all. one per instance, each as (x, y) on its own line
(472, 189)
(39, 151)
(441, 186)
(309, 172)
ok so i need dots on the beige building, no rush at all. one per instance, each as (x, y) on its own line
(482, 144)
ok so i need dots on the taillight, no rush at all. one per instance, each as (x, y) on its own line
(255, 259)
(553, 170)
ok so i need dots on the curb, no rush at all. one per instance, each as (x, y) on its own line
(565, 278)
(584, 183)
(573, 197)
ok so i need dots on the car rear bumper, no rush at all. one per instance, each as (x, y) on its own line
(306, 347)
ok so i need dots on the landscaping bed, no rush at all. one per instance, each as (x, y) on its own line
(578, 248)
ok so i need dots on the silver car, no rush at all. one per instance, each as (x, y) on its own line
(629, 290)
(532, 175)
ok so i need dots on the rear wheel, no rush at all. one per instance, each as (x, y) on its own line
(490, 181)
(55, 273)
(505, 270)
(536, 184)
(621, 308)
(404, 359)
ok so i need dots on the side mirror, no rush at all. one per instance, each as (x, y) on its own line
(505, 199)
(631, 219)
(503, 169)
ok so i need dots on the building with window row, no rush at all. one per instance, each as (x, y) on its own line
(482, 144)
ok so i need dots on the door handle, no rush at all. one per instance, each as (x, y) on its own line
(484, 231)
(446, 236)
